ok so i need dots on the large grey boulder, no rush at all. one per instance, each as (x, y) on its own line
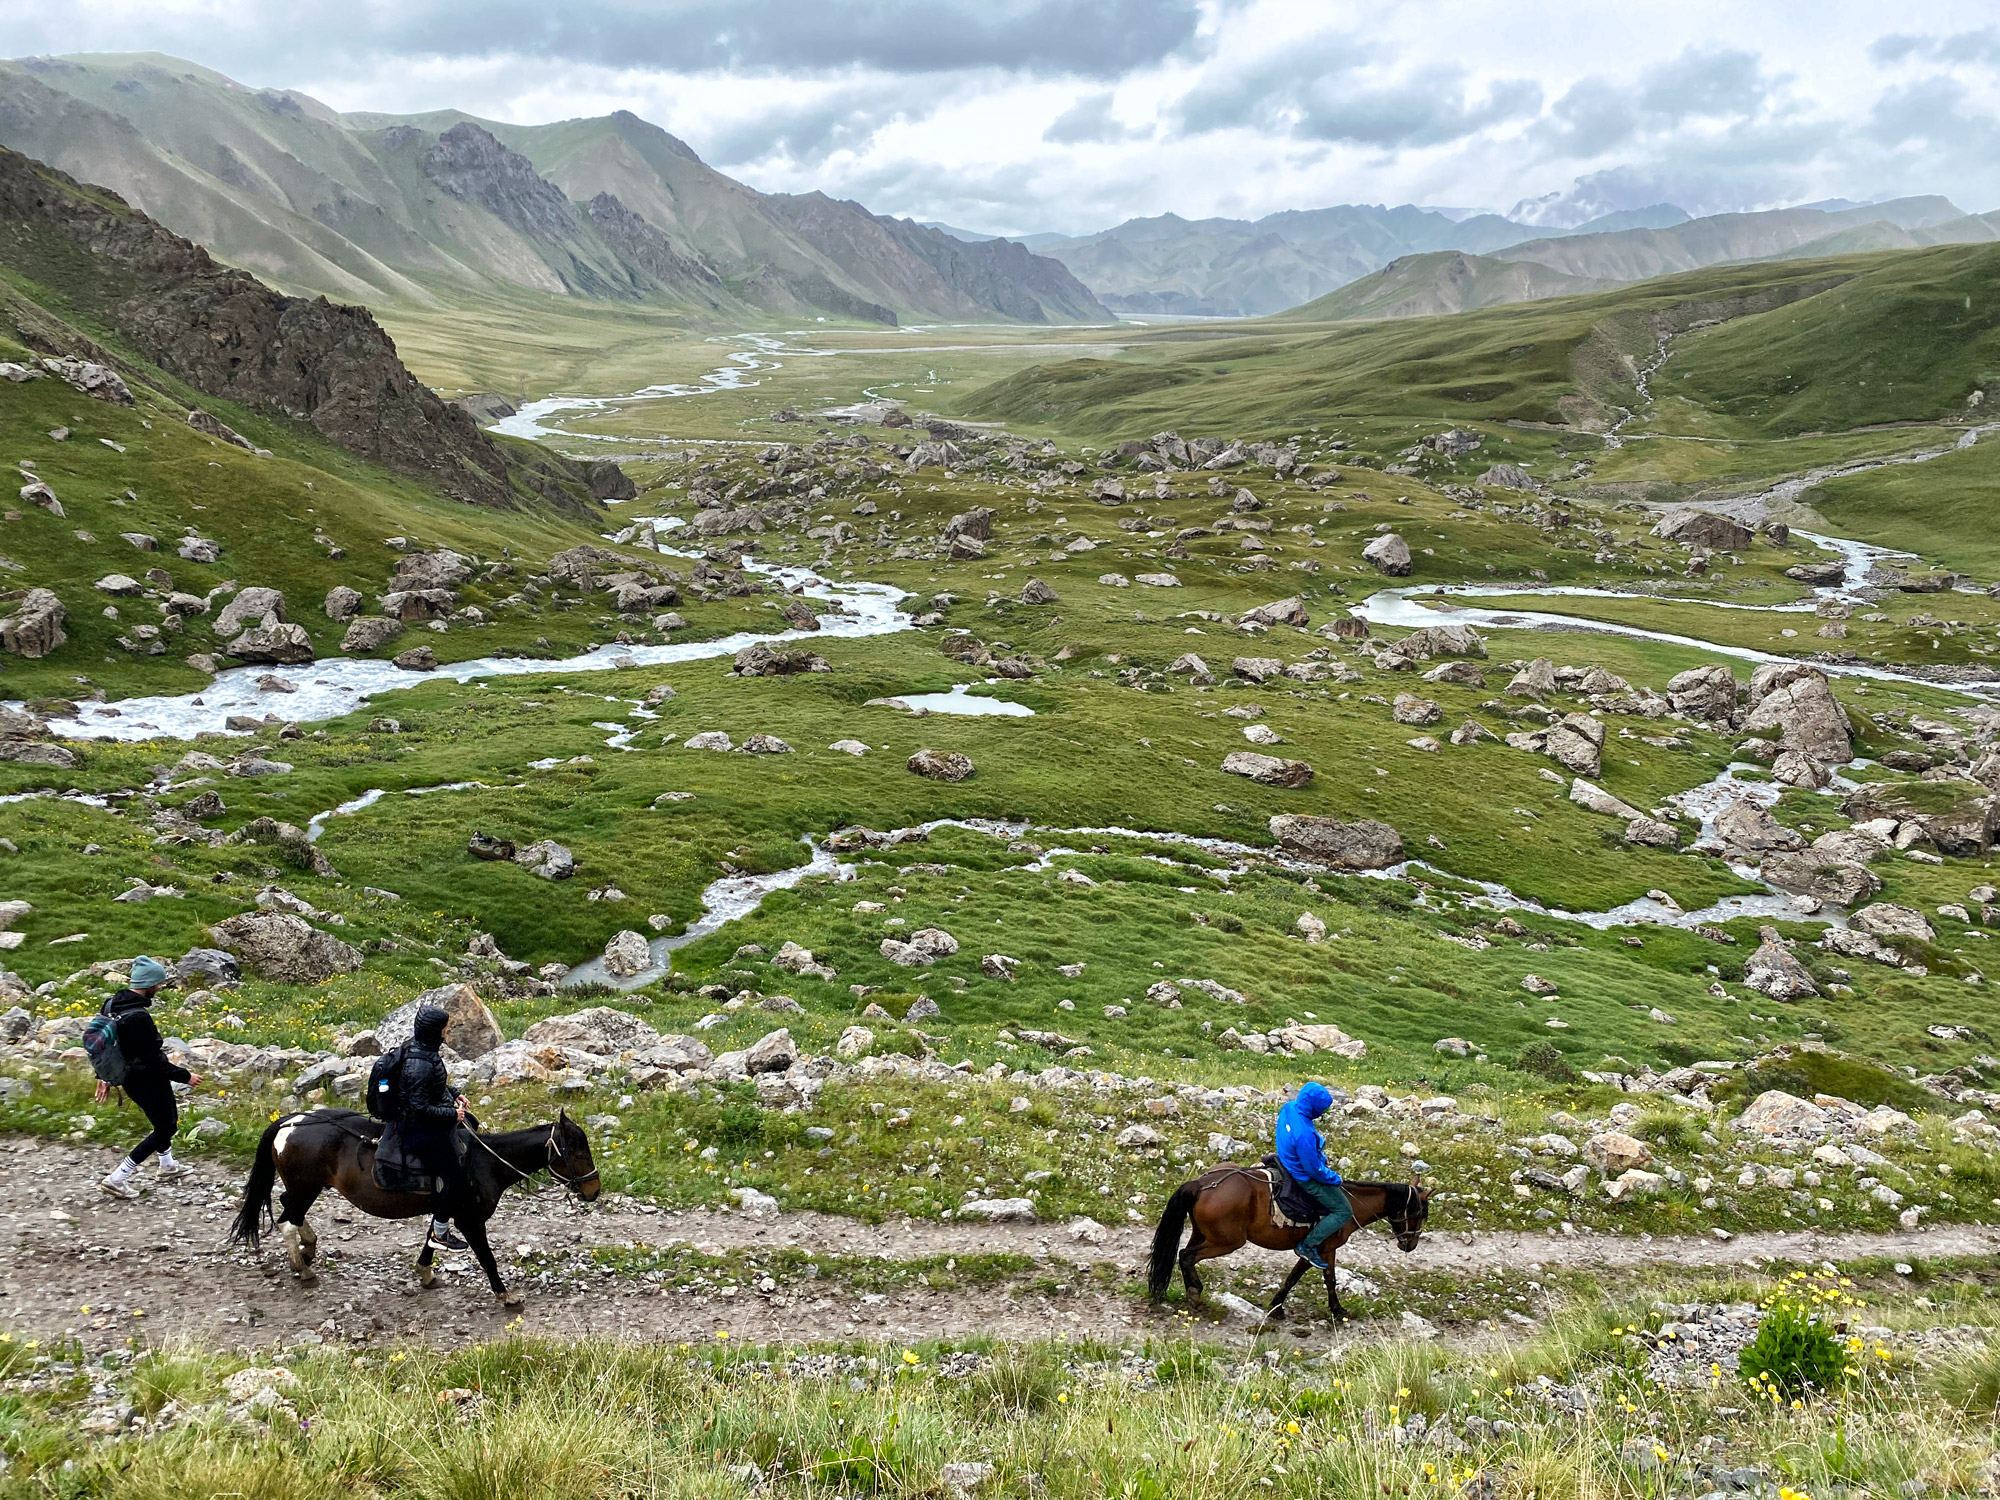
(246, 607)
(442, 569)
(370, 633)
(627, 955)
(1268, 770)
(1887, 919)
(1290, 611)
(1363, 845)
(1772, 970)
(548, 859)
(600, 1029)
(1034, 591)
(35, 628)
(281, 946)
(1388, 554)
(1707, 693)
(1700, 528)
(1536, 680)
(273, 642)
(472, 1030)
(1818, 874)
(1745, 825)
(1427, 641)
(1577, 744)
(941, 765)
(342, 602)
(1796, 700)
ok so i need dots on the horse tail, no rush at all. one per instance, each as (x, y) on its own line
(1167, 1238)
(248, 1228)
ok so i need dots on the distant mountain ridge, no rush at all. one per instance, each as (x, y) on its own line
(444, 207)
(1302, 259)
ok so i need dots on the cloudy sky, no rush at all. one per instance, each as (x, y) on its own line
(1014, 116)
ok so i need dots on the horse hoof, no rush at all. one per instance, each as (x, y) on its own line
(308, 1279)
(512, 1299)
(426, 1277)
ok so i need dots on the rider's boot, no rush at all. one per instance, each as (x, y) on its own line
(441, 1234)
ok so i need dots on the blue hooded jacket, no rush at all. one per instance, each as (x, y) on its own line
(1299, 1148)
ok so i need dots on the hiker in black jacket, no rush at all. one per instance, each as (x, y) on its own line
(430, 1111)
(149, 1077)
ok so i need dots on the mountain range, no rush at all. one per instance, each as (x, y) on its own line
(448, 209)
(1358, 260)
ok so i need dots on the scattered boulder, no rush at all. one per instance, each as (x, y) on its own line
(763, 660)
(370, 633)
(548, 859)
(775, 1052)
(1613, 1152)
(627, 955)
(1441, 640)
(1034, 591)
(993, 1211)
(35, 628)
(416, 659)
(1290, 611)
(1577, 744)
(1795, 699)
(472, 1030)
(1700, 528)
(763, 744)
(1772, 970)
(1887, 919)
(1593, 797)
(342, 602)
(1745, 825)
(247, 607)
(1706, 693)
(1536, 680)
(485, 846)
(1388, 554)
(708, 739)
(1363, 845)
(273, 643)
(1651, 833)
(941, 765)
(1267, 770)
(278, 945)
(1410, 709)
(798, 615)
(210, 968)
(1777, 1113)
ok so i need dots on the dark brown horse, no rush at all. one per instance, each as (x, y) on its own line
(1231, 1207)
(335, 1148)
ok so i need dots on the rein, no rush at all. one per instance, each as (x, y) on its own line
(550, 1163)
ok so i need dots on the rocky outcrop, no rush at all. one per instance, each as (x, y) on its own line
(272, 643)
(246, 607)
(1363, 845)
(370, 633)
(1428, 641)
(227, 334)
(1577, 744)
(1745, 826)
(941, 765)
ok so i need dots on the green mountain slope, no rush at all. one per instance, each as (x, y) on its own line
(285, 433)
(1800, 346)
(448, 209)
(1444, 281)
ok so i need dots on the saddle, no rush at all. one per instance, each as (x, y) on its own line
(396, 1171)
(1291, 1206)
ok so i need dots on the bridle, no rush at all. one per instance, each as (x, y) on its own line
(1404, 1223)
(548, 1164)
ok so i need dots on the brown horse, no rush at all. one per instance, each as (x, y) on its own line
(335, 1148)
(1231, 1207)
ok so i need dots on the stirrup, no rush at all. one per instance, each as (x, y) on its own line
(1311, 1256)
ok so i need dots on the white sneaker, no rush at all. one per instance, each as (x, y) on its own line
(119, 1187)
(171, 1171)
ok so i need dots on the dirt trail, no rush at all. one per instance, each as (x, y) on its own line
(158, 1268)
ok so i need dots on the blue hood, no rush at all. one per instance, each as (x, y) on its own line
(1314, 1100)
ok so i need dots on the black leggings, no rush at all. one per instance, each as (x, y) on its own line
(436, 1147)
(155, 1098)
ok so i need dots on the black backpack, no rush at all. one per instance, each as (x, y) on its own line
(385, 1086)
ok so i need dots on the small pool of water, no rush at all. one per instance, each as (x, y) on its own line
(959, 701)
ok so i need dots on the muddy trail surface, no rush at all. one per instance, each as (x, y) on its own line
(76, 1263)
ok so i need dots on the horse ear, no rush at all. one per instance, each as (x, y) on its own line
(562, 1117)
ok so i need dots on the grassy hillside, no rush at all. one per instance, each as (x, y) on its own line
(1444, 281)
(1802, 345)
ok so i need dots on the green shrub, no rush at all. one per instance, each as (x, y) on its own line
(1668, 1129)
(1795, 1354)
(1545, 1060)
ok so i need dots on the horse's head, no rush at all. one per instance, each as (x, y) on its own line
(569, 1158)
(1408, 1222)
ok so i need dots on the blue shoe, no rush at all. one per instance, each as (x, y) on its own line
(1311, 1256)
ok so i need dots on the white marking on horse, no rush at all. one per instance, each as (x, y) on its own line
(285, 1135)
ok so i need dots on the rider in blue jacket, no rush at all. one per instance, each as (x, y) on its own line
(1302, 1155)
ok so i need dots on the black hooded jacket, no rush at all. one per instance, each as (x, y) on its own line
(139, 1039)
(428, 1099)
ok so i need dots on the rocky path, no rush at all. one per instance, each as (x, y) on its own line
(74, 1262)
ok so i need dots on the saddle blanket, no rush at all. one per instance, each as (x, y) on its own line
(1291, 1208)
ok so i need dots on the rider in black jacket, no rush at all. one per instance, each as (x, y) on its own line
(431, 1112)
(149, 1077)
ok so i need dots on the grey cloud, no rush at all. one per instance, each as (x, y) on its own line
(1703, 83)
(1982, 46)
(845, 119)
(1314, 94)
(1088, 120)
(1097, 38)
